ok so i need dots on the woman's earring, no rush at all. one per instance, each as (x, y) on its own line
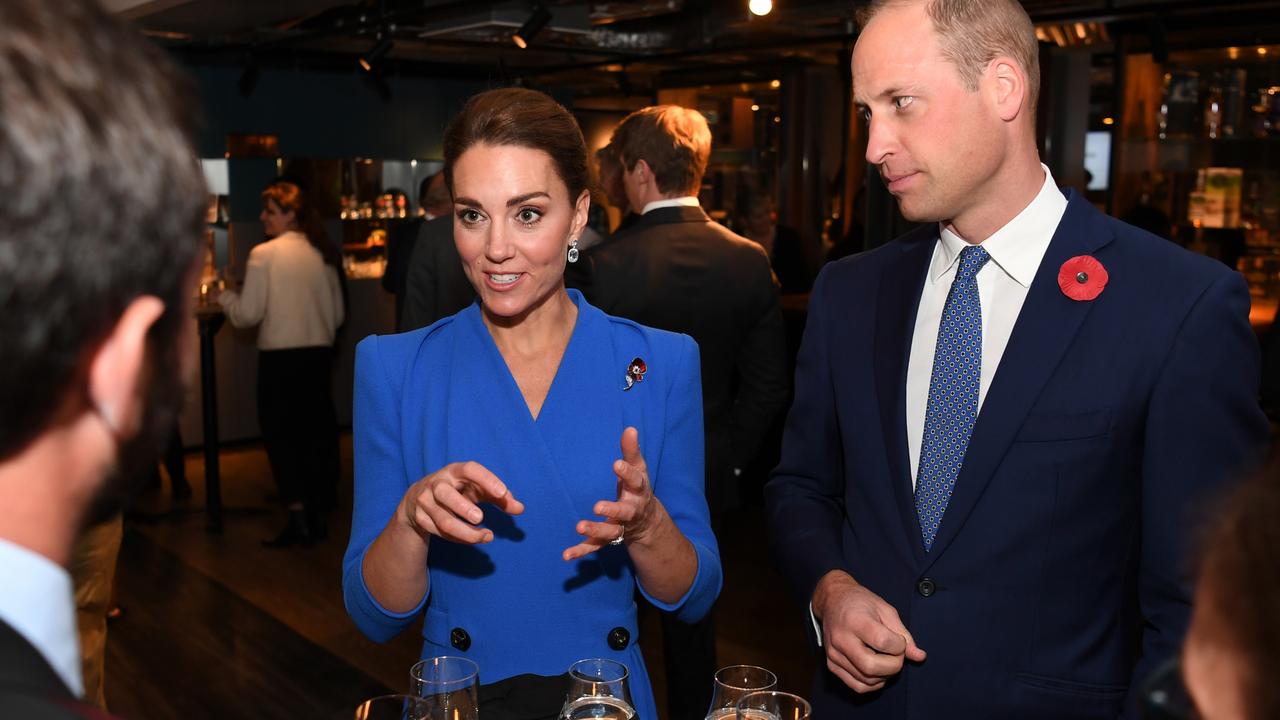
(573, 250)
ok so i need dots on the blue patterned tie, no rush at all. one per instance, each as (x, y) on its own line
(953, 394)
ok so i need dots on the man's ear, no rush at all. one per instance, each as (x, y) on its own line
(643, 172)
(117, 367)
(1008, 87)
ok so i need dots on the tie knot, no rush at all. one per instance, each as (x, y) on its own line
(972, 259)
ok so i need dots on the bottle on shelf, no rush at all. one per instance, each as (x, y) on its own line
(1233, 117)
(1213, 109)
(1179, 104)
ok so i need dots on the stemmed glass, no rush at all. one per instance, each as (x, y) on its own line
(772, 705)
(599, 690)
(732, 683)
(449, 686)
(392, 707)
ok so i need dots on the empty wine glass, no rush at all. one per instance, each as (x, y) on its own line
(772, 705)
(449, 686)
(392, 707)
(732, 683)
(598, 690)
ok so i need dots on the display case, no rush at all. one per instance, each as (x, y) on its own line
(362, 201)
(1199, 143)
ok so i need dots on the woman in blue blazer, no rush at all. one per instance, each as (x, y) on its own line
(489, 490)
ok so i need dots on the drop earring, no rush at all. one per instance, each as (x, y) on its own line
(573, 250)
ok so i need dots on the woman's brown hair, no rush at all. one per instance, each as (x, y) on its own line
(523, 118)
(291, 198)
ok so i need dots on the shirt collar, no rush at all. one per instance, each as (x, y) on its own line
(1018, 247)
(38, 603)
(670, 202)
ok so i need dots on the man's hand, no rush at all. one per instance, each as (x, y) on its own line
(865, 640)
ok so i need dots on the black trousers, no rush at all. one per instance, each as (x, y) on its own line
(689, 658)
(689, 649)
(299, 425)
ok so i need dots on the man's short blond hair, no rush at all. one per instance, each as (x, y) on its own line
(972, 33)
(674, 141)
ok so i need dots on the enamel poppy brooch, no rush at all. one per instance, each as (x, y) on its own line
(1082, 278)
(635, 372)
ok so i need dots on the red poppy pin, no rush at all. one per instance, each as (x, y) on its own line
(1082, 278)
(635, 372)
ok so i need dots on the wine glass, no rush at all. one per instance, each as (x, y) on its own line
(392, 707)
(732, 682)
(449, 686)
(598, 690)
(772, 705)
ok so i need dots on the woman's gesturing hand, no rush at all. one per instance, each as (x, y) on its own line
(446, 503)
(629, 517)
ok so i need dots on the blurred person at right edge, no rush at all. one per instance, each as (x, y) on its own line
(1231, 660)
(99, 238)
(292, 289)
(674, 268)
(1007, 421)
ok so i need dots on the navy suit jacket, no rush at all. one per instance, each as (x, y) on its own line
(1059, 576)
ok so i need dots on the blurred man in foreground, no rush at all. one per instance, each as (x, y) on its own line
(99, 231)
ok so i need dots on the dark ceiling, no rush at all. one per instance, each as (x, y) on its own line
(608, 46)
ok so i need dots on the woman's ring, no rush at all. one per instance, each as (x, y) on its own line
(618, 540)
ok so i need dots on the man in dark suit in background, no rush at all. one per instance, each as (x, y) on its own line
(674, 268)
(1005, 421)
(99, 235)
(435, 285)
(433, 199)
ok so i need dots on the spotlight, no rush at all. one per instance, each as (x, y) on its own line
(538, 20)
(369, 59)
(760, 7)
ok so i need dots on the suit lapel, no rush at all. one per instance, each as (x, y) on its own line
(1045, 328)
(899, 299)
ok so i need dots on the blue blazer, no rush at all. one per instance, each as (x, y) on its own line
(1059, 575)
(443, 394)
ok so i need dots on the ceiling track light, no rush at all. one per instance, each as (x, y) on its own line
(531, 27)
(370, 59)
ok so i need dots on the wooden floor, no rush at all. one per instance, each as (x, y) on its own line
(216, 626)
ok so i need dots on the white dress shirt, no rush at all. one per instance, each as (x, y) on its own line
(290, 290)
(1016, 251)
(670, 202)
(38, 602)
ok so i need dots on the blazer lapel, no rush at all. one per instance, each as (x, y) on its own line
(899, 299)
(1046, 325)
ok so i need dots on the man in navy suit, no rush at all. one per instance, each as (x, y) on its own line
(100, 230)
(1005, 421)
